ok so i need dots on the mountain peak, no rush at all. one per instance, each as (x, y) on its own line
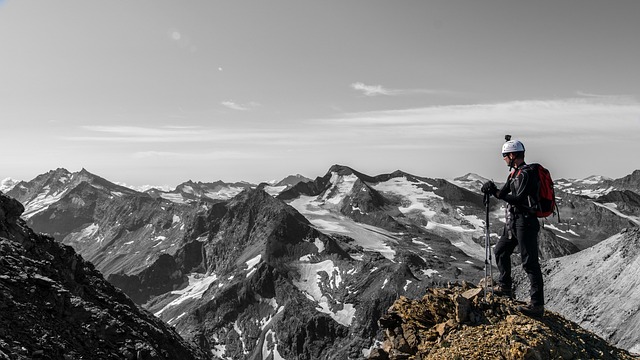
(291, 180)
(470, 177)
(341, 169)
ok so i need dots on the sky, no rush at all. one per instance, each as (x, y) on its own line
(160, 92)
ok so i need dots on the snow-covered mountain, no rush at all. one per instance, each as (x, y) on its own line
(290, 180)
(313, 286)
(596, 185)
(192, 192)
(315, 262)
(275, 187)
(118, 229)
(470, 181)
(7, 184)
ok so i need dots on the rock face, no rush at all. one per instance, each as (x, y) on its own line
(55, 305)
(599, 288)
(456, 323)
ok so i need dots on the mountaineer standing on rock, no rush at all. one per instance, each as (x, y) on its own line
(521, 226)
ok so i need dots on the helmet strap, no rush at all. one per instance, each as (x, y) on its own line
(511, 164)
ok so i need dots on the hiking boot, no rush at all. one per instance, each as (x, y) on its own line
(531, 310)
(504, 291)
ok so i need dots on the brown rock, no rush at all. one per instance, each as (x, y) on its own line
(497, 334)
(463, 308)
(472, 293)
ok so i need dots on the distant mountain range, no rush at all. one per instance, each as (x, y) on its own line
(55, 305)
(300, 268)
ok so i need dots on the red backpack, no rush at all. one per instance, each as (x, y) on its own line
(546, 195)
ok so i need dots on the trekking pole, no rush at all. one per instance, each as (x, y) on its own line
(488, 269)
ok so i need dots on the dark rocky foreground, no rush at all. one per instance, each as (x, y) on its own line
(456, 323)
(55, 305)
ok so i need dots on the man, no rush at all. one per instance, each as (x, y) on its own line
(521, 227)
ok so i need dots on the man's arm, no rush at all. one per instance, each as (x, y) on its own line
(518, 197)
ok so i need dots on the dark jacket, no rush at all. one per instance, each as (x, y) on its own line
(520, 190)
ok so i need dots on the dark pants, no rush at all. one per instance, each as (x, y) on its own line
(525, 235)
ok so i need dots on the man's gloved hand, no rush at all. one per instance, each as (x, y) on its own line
(489, 188)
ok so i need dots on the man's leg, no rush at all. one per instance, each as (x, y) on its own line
(503, 250)
(527, 234)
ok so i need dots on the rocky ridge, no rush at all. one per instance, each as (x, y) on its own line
(457, 323)
(55, 305)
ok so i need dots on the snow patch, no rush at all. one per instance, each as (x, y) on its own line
(310, 279)
(198, 284)
(176, 198)
(251, 264)
(218, 350)
(236, 327)
(224, 193)
(275, 190)
(429, 272)
(88, 232)
(634, 219)
(270, 337)
(41, 202)
(371, 238)
(417, 198)
(330, 226)
(342, 186)
(407, 285)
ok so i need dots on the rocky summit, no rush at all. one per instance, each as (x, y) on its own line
(459, 322)
(55, 305)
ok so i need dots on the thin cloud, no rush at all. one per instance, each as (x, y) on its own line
(145, 131)
(370, 90)
(176, 134)
(375, 90)
(552, 122)
(206, 155)
(240, 107)
(620, 97)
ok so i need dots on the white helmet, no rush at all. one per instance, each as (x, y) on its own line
(512, 146)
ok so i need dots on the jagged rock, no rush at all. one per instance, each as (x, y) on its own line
(430, 328)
